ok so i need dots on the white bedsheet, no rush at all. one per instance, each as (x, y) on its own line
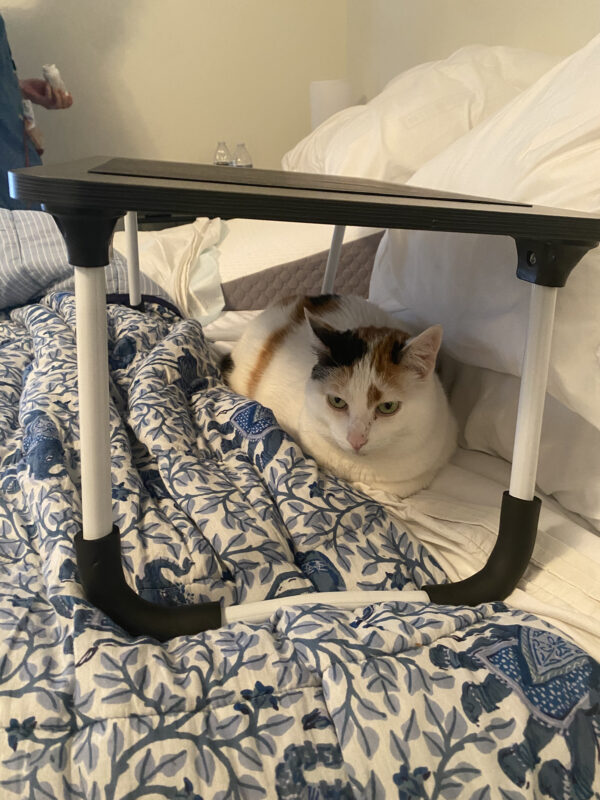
(252, 245)
(457, 519)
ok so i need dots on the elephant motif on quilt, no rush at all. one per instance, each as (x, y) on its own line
(251, 428)
(42, 446)
(558, 683)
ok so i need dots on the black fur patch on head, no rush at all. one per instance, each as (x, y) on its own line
(344, 348)
(226, 365)
(396, 352)
(317, 300)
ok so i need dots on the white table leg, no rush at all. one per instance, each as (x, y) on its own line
(333, 259)
(520, 507)
(92, 367)
(534, 379)
(133, 258)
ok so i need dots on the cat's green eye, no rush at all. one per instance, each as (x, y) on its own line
(388, 408)
(336, 402)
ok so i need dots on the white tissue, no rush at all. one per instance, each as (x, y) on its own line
(52, 75)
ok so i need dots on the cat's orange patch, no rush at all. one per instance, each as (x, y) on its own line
(374, 395)
(384, 344)
(370, 333)
(265, 356)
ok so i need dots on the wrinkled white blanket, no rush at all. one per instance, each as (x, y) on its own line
(184, 262)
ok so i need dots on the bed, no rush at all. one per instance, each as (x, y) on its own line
(214, 503)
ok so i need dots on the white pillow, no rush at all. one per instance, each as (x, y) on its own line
(418, 114)
(543, 148)
(485, 403)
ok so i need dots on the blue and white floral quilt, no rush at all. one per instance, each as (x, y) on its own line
(213, 501)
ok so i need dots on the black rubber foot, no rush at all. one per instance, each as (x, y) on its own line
(87, 234)
(507, 562)
(104, 585)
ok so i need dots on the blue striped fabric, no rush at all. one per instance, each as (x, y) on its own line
(17, 284)
(33, 261)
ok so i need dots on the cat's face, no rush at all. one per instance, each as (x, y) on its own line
(367, 384)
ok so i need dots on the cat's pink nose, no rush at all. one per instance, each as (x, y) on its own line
(357, 440)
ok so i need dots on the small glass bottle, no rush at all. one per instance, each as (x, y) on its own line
(241, 157)
(222, 157)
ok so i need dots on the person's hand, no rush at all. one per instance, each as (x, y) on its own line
(40, 92)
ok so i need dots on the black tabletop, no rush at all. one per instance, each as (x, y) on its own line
(118, 185)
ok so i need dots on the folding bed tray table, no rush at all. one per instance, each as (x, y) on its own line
(87, 198)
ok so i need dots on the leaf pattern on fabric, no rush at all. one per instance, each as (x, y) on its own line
(214, 501)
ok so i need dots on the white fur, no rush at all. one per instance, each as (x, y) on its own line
(402, 452)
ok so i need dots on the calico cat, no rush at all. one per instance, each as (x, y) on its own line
(351, 387)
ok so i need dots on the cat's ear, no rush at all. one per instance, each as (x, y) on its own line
(420, 354)
(322, 331)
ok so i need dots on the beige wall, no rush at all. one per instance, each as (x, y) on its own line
(387, 36)
(166, 78)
